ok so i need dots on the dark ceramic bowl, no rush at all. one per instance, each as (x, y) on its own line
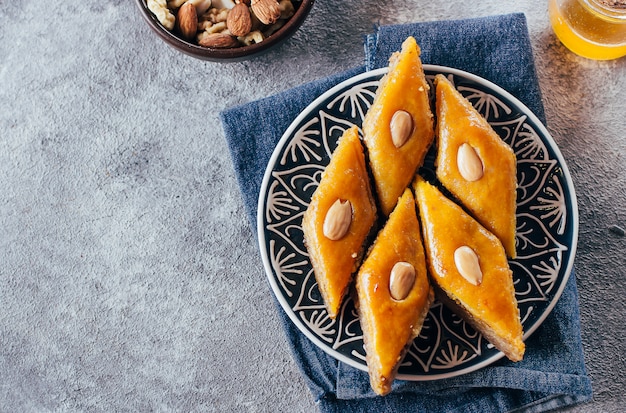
(302, 8)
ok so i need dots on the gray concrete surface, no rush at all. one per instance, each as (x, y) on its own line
(129, 276)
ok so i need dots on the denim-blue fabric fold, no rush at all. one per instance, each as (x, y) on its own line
(552, 374)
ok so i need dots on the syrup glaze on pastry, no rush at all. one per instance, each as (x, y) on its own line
(469, 268)
(398, 128)
(475, 164)
(339, 218)
(393, 294)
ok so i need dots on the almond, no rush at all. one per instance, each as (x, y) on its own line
(338, 220)
(401, 280)
(401, 126)
(469, 163)
(187, 20)
(218, 41)
(239, 21)
(267, 11)
(467, 264)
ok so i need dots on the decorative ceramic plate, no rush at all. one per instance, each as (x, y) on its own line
(547, 226)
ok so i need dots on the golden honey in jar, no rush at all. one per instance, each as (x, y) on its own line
(595, 29)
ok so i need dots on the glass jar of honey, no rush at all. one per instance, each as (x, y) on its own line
(595, 29)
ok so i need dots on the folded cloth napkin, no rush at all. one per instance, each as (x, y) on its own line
(552, 374)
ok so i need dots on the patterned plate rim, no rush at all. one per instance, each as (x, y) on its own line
(543, 134)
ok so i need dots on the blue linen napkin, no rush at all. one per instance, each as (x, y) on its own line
(552, 374)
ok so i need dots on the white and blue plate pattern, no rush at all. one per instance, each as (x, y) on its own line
(547, 226)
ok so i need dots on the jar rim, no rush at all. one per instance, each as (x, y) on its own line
(613, 9)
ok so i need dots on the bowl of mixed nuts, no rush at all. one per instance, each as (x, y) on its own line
(224, 30)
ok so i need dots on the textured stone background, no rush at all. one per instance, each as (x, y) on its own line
(129, 276)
